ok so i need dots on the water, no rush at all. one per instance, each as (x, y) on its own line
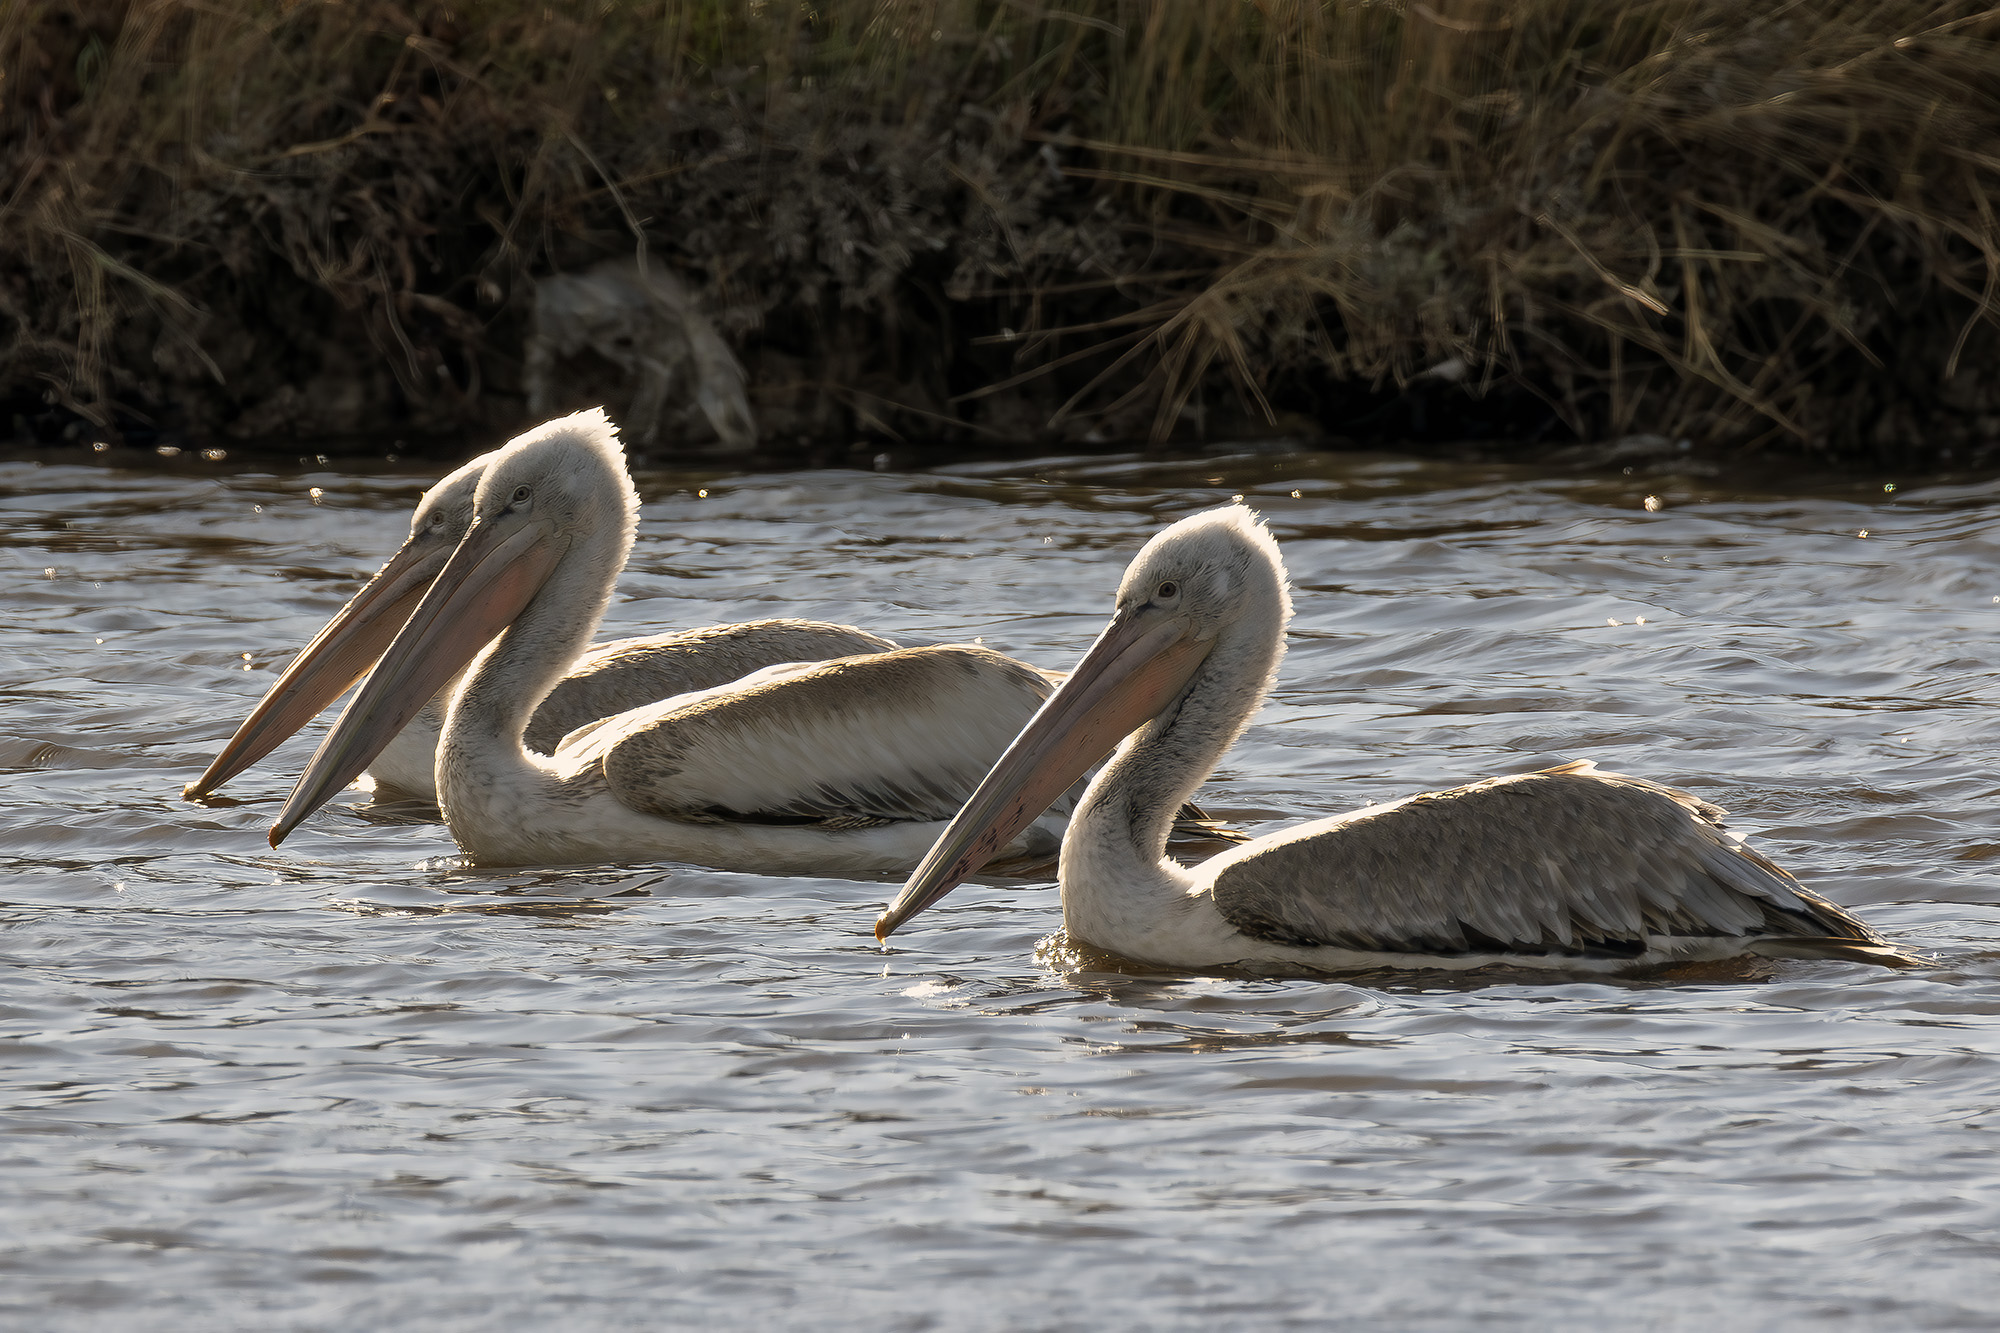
(351, 1084)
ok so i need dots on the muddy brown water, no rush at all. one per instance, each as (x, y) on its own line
(353, 1084)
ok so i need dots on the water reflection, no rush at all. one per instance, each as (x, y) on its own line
(356, 1078)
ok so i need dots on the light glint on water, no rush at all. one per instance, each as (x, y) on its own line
(355, 1081)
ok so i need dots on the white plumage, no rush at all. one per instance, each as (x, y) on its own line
(1568, 868)
(608, 678)
(847, 766)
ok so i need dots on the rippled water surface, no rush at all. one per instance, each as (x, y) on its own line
(351, 1084)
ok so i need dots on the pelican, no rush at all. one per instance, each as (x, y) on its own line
(845, 766)
(1567, 868)
(607, 679)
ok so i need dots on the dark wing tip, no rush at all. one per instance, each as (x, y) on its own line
(1194, 825)
(1879, 953)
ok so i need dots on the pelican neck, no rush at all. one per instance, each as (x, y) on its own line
(519, 669)
(1121, 827)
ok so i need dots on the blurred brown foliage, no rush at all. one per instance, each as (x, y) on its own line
(949, 219)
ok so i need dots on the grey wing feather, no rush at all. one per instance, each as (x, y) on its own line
(1568, 862)
(615, 677)
(903, 735)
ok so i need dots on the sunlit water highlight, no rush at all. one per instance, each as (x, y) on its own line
(351, 1084)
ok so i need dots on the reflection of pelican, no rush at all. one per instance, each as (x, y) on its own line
(841, 766)
(1566, 868)
(609, 678)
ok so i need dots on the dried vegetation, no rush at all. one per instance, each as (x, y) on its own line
(934, 220)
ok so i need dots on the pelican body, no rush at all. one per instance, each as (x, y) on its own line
(1567, 868)
(850, 765)
(607, 679)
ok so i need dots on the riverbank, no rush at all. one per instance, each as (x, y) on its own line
(940, 223)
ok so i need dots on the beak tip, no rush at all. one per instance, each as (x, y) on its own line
(278, 832)
(882, 928)
(194, 791)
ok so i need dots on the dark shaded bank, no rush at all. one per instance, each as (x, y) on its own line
(1755, 227)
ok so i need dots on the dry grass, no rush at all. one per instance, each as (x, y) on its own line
(1746, 224)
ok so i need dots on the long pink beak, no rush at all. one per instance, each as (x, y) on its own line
(1136, 668)
(497, 569)
(338, 656)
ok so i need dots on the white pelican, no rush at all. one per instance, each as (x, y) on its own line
(1567, 868)
(846, 766)
(607, 679)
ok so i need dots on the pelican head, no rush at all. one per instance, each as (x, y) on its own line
(559, 486)
(1181, 596)
(568, 475)
(342, 652)
(1204, 572)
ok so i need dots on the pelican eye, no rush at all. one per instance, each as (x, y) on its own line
(437, 521)
(521, 494)
(1167, 591)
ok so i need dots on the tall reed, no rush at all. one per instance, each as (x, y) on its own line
(1747, 224)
